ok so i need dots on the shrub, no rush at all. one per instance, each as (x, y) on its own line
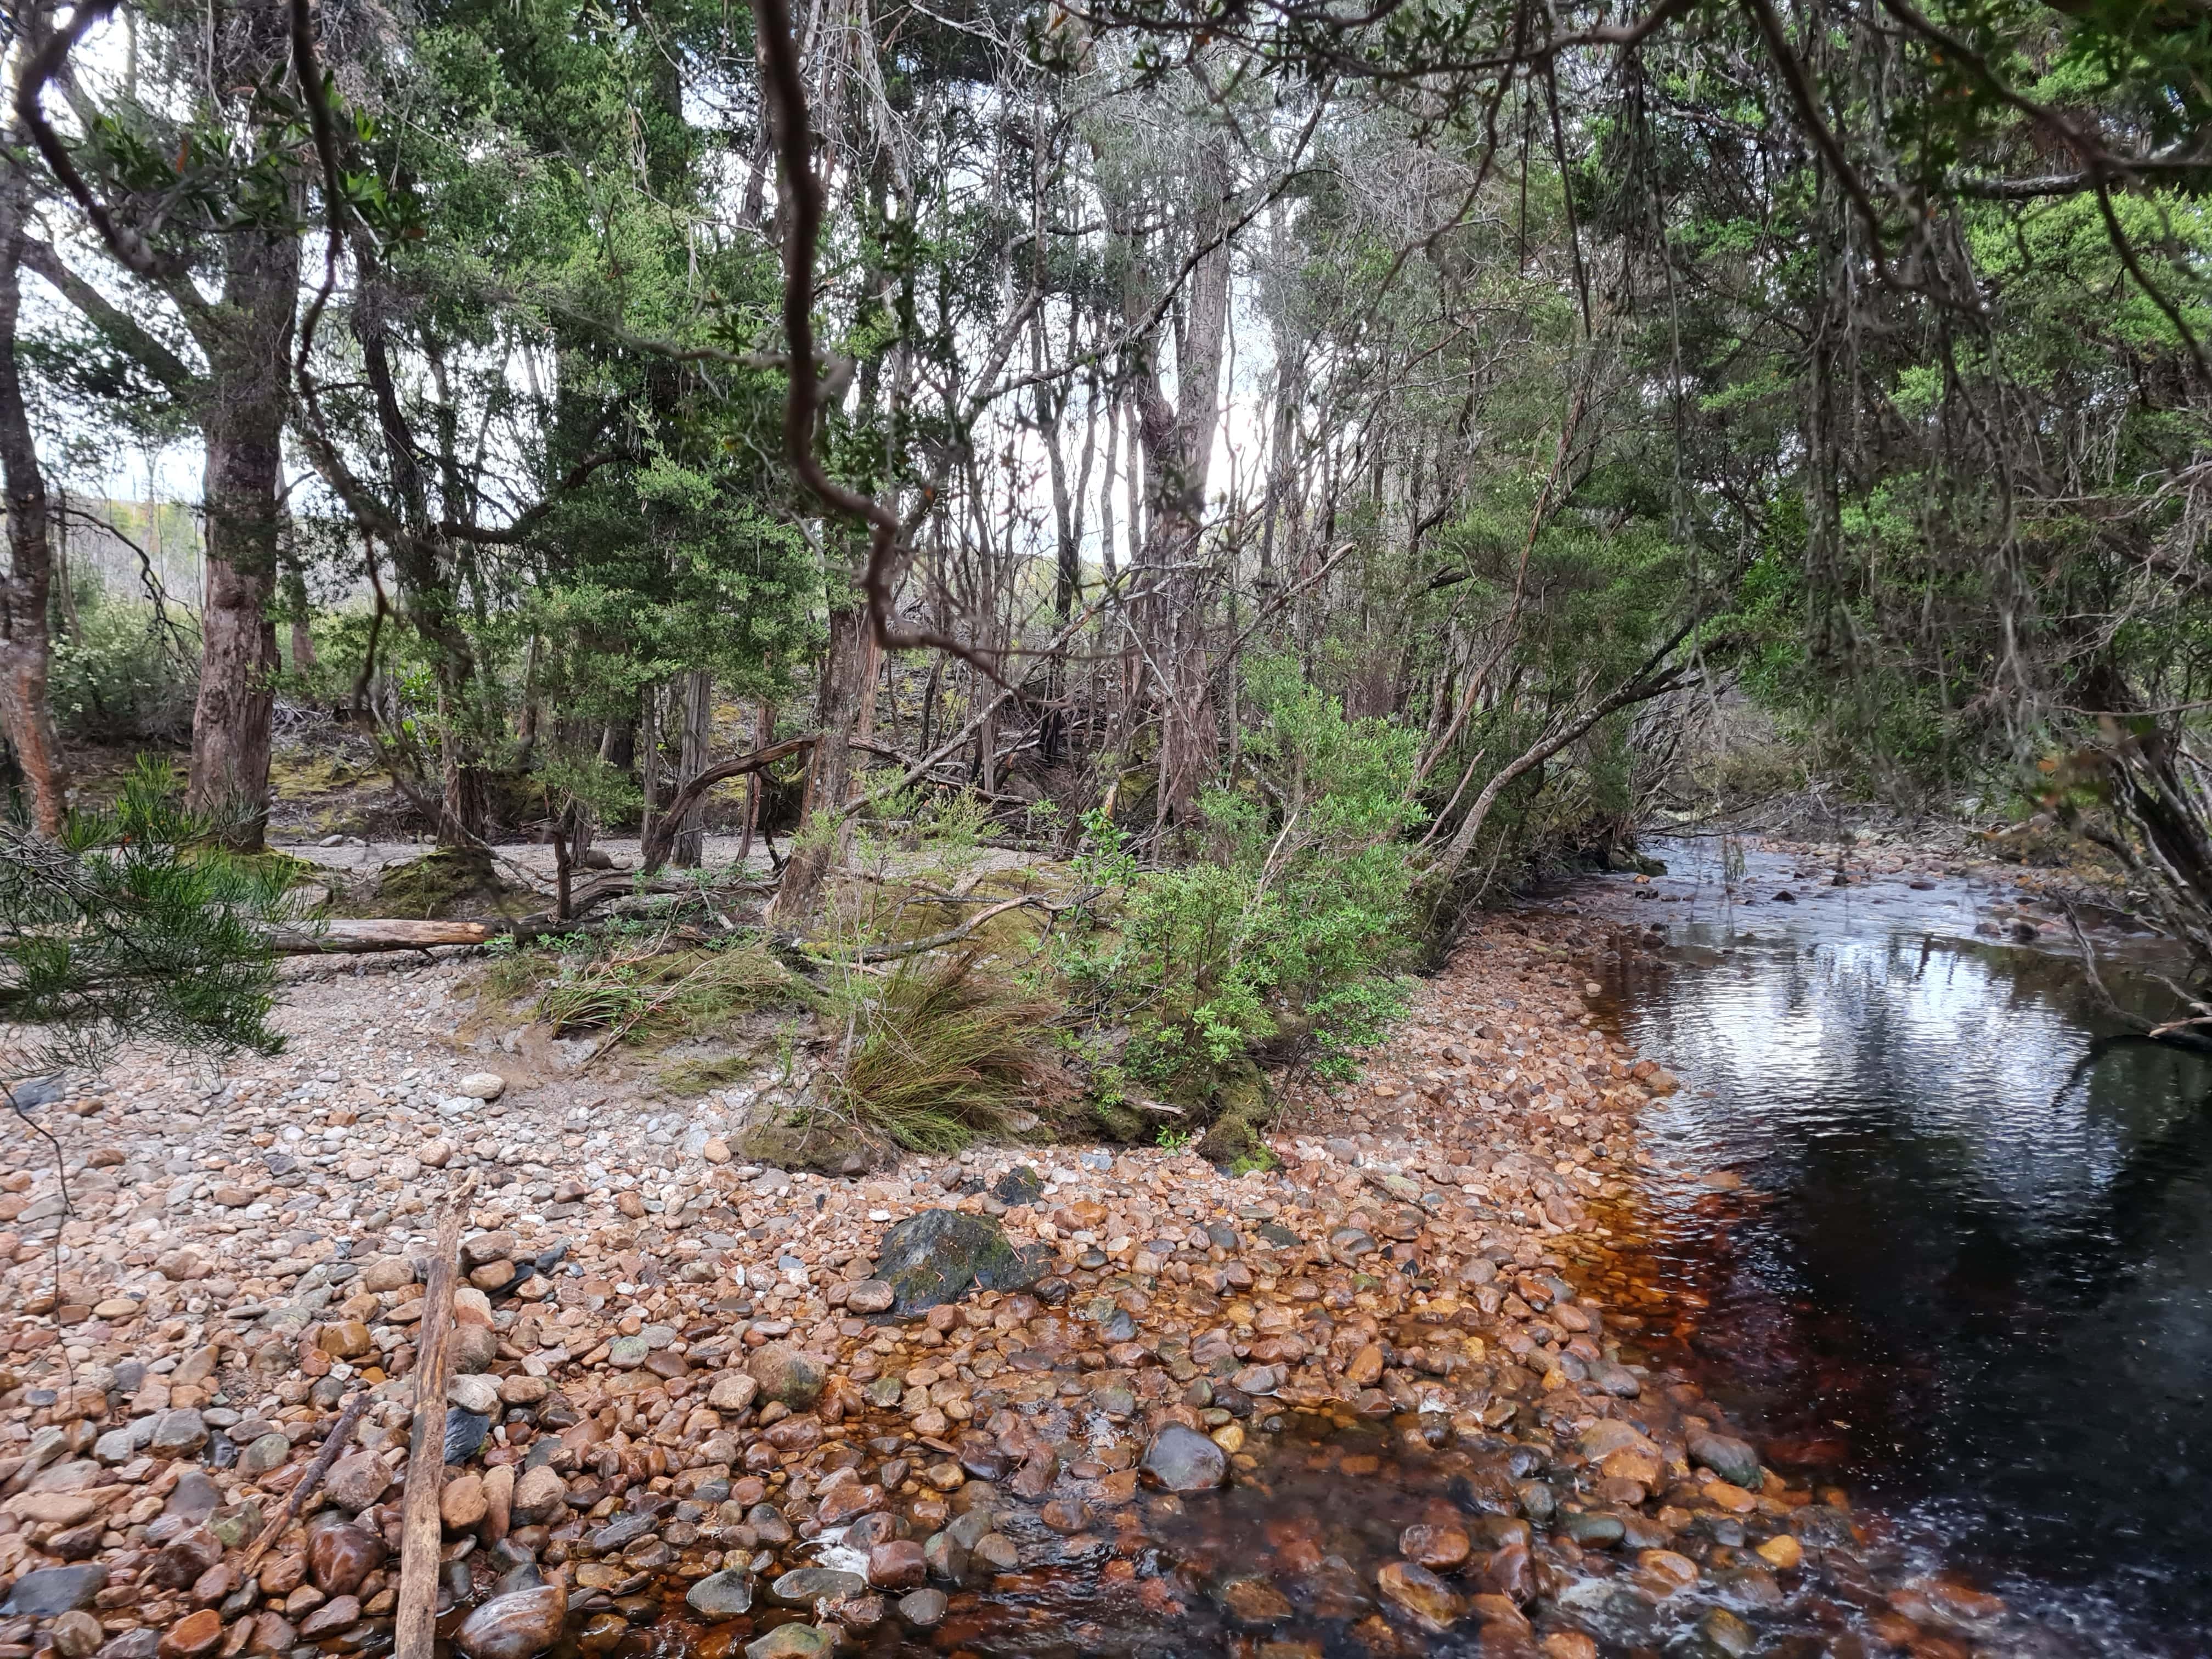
(121, 677)
(665, 994)
(1285, 928)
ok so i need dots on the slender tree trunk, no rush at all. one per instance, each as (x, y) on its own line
(847, 683)
(690, 844)
(244, 427)
(25, 651)
(1178, 446)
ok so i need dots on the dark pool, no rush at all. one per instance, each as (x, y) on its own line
(1969, 1267)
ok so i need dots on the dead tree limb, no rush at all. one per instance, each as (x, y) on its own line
(333, 1443)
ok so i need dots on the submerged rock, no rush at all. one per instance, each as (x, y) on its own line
(1183, 1460)
(726, 1594)
(940, 1256)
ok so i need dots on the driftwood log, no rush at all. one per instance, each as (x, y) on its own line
(361, 937)
(421, 1540)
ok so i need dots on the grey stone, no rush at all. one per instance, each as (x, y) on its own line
(1731, 1459)
(804, 1586)
(50, 1590)
(940, 1256)
(177, 1432)
(726, 1594)
(1182, 1460)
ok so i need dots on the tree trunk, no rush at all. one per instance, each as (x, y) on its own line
(847, 685)
(691, 843)
(244, 426)
(1178, 446)
(25, 650)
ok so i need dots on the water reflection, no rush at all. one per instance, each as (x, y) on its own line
(1971, 1263)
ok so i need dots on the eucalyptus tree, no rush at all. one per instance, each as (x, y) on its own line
(186, 175)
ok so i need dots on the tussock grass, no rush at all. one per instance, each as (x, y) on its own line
(947, 1054)
(670, 994)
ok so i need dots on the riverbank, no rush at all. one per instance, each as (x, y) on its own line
(1397, 1386)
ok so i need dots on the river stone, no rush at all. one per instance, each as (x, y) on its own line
(1254, 1601)
(481, 1085)
(356, 1481)
(1722, 1631)
(474, 1346)
(1729, 1458)
(185, 1560)
(787, 1375)
(792, 1642)
(870, 1296)
(465, 1433)
(480, 1395)
(77, 1635)
(1019, 1185)
(898, 1564)
(940, 1256)
(925, 1609)
(194, 1496)
(516, 1625)
(50, 1590)
(540, 1498)
(804, 1586)
(728, 1594)
(1420, 1595)
(1183, 1460)
(340, 1556)
(194, 1634)
(177, 1433)
(263, 1453)
(1601, 1531)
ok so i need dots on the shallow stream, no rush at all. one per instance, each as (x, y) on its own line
(1968, 1269)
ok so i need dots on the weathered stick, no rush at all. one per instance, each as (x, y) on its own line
(333, 1443)
(421, 1539)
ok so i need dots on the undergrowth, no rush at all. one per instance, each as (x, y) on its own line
(647, 995)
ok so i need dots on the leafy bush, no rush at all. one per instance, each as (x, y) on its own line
(1285, 929)
(120, 676)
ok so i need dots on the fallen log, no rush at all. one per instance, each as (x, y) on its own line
(421, 1539)
(361, 937)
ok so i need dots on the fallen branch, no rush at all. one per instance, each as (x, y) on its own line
(653, 851)
(914, 947)
(333, 1443)
(420, 1538)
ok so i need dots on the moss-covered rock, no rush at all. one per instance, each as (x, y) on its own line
(441, 884)
(830, 1149)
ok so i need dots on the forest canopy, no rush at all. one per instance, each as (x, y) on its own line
(1310, 465)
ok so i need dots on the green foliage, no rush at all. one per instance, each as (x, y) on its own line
(1303, 897)
(945, 1056)
(124, 674)
(136, 926)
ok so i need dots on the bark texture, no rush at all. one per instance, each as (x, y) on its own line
(26, 650)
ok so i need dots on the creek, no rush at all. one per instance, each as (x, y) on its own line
(1967, 1273)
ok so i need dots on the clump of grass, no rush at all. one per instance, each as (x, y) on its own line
(667, 994)
(946, 1054)
(704, 1074)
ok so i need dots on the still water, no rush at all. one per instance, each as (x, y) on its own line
(1969, 1267)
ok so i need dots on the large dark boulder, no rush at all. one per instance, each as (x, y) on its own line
(940, 1255)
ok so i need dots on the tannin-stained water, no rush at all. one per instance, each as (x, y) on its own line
(1969, 1267)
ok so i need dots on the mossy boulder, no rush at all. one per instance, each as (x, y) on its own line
(442, 884)
(828, 1149)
